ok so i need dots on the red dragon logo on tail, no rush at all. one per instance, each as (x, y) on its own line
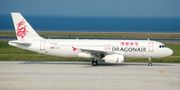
(21, 29)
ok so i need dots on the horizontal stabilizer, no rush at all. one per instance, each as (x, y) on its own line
(17, 42)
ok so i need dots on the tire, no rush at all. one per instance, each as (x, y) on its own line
(150, 64)
(94, 63)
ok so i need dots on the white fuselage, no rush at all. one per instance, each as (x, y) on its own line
(127, 48)
(111, 51)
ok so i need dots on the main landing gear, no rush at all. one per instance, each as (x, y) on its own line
(94, 62)
(150, 61)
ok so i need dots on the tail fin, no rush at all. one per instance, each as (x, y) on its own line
(23, 30)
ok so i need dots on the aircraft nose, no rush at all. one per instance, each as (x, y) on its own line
(170, 51)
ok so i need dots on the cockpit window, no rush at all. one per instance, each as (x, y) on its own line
(162, 46)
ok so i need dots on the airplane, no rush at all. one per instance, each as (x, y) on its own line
(109, 51)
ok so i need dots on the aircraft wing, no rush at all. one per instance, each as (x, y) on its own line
(93, 52)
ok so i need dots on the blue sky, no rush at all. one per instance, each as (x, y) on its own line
(119, 8)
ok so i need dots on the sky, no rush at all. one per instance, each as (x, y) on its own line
(101, 8)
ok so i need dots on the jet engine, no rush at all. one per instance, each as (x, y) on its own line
(114, 58)
(85, 55)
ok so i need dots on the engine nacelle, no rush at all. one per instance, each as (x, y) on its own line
(114, 58)
(85, 55)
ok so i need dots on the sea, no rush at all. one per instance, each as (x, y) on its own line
(97, 24)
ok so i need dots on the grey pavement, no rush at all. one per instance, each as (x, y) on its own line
(44, 75)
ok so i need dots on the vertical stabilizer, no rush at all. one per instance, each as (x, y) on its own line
(23, 30)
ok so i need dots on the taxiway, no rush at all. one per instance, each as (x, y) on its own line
(44, 75)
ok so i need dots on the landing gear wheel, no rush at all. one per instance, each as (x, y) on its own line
(94, 63)
(150, 61)
(150, 64)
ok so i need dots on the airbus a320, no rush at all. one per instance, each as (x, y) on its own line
(109, 51)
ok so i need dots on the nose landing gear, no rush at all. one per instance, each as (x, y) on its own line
(150, 61)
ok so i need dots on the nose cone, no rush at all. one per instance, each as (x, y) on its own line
(170, 52)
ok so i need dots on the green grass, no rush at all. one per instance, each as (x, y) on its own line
(9, 53)
(99, 35)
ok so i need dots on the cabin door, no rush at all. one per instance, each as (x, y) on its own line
(42, 46)
(150, 46)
